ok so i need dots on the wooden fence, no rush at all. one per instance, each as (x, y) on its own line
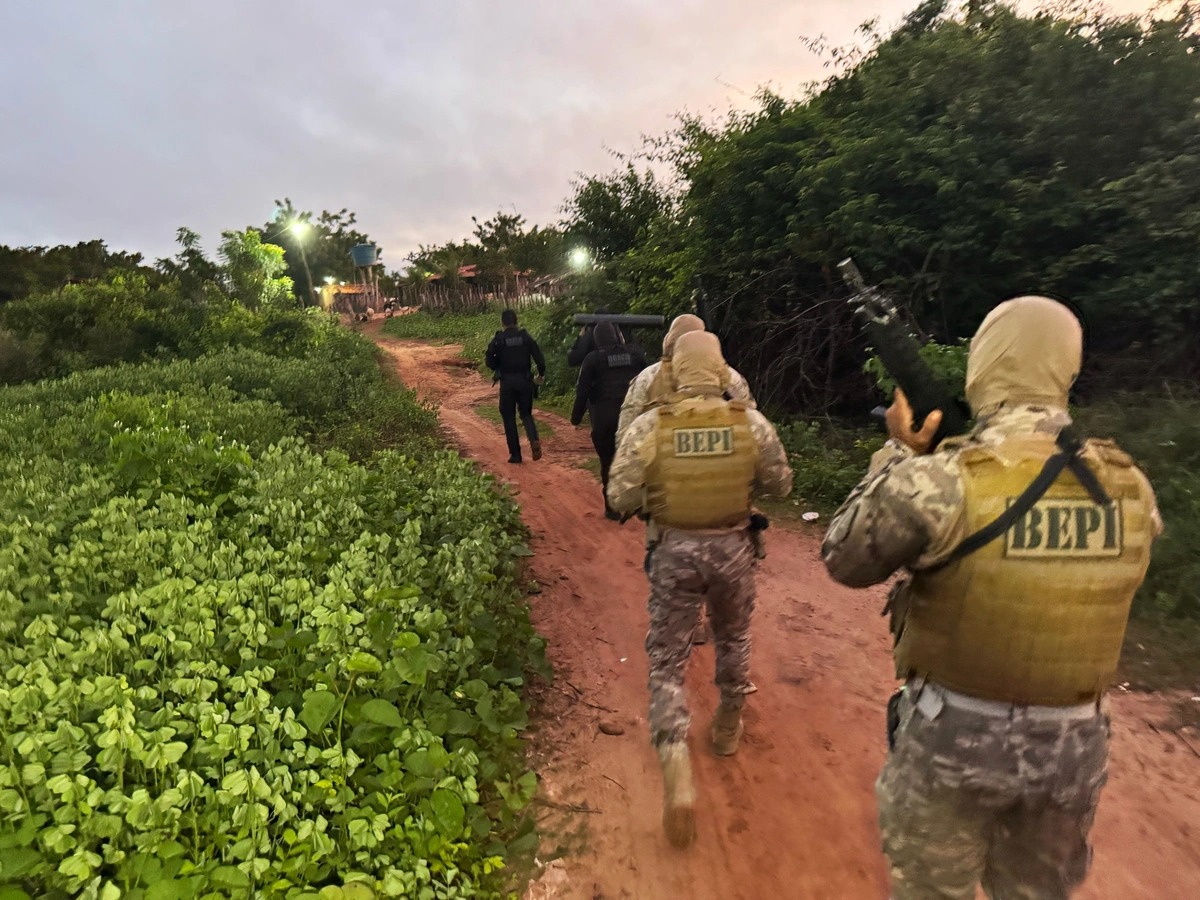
(469, 298)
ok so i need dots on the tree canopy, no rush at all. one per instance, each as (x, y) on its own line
(28, 270)
(498, 248)
(972, 154)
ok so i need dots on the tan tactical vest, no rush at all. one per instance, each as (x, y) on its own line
(661, 387)
(704, 463)
(1038, 615)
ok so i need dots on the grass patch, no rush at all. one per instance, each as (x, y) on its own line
(559, 404)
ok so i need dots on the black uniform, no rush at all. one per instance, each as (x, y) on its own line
(603, 381)
(586, 343)
(509, 355)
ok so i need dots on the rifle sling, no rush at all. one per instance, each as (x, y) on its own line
(1067, 458)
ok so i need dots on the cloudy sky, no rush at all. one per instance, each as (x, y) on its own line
(124, 120)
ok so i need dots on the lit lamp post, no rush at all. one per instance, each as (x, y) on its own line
(580, 259)
(300, 228)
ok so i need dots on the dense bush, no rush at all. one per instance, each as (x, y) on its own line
(124, 318)
(1162, 431)
(827, 460)
(974, 152)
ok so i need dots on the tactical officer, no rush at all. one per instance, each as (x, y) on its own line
(1023, 548)
(691, 466)
(603, 381)
(585, 342)
(654, 384)
(509, 356)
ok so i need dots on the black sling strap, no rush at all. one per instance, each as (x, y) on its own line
(1070, 446)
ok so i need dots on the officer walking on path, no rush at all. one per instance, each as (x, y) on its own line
(603, 381)
(585, 341)
(509, 356)
(1024, 547)
(691, 465)
(652, 387)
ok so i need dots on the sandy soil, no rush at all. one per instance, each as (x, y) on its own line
(793, 814)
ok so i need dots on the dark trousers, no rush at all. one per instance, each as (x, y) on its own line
(516, 395)
(604, 418)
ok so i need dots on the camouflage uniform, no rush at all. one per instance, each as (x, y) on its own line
(637, 398)
(973, 791)
(691, 570)
(1007, 801)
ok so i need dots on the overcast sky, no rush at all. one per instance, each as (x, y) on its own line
(124, 120)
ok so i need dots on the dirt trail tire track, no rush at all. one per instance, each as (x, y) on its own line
(792, 815)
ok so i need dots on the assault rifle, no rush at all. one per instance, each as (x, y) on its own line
(900, 354)
(619, 319)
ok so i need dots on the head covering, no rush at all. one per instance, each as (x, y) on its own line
(698, 366)
(680, 325)
(606, 335)
(1027, 351)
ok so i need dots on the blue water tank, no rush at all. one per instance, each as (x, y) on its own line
(364, 254)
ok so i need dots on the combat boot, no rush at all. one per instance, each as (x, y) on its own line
(536, 446)
(679, 794)
(726, 730)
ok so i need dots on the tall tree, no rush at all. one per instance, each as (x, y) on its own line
(320, 248)
(253, 271)
(611, 213)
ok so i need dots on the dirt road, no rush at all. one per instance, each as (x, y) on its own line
(793, 814)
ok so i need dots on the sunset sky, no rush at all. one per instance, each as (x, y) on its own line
(124, 120)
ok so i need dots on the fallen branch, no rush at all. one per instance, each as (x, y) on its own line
(568, 807)
(579, 697)
(614, 781)
(1177, 734)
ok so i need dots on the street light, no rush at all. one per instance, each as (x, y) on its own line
(300, 228)
(580, 258)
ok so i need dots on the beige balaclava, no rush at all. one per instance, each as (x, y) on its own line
(680, 325)
(1027, 351)
(697, 366)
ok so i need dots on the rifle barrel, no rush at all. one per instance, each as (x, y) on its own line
(629, 321)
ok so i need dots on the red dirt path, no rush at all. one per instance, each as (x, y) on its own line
(793, 814)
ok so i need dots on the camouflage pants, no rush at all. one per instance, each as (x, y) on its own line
(688, 572)
(1006, 802)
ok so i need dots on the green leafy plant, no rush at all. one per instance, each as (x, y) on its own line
(237, 666)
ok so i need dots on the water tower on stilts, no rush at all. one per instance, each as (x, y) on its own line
(366, 277)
